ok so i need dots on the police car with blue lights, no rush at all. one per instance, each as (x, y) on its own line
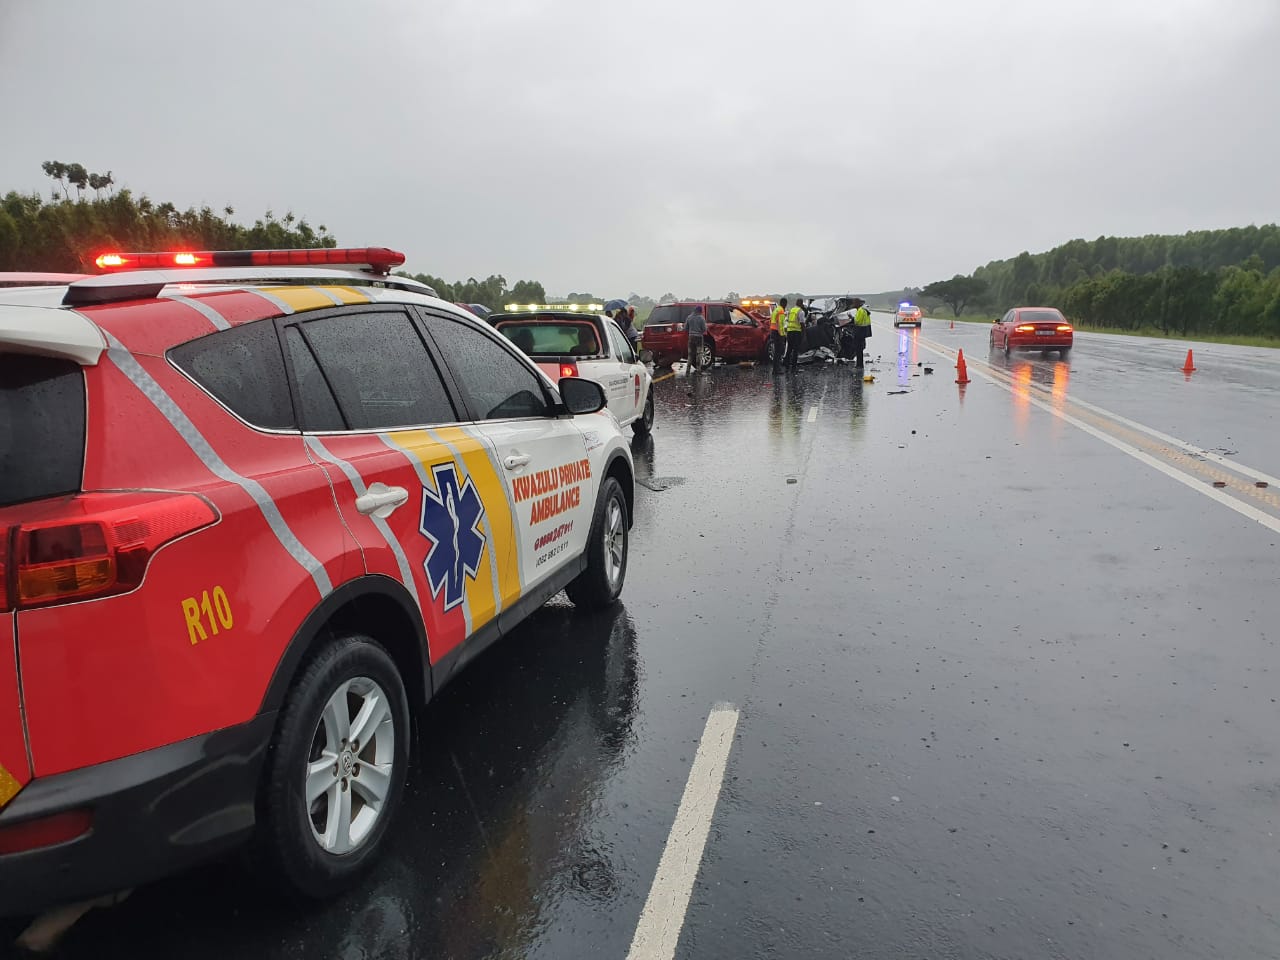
(908, 315)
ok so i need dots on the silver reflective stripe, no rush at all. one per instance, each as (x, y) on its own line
(272, 299)
(180, 422)
(338, 301)
(213, 316)
(353, 476)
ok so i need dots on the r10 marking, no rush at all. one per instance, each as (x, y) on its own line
(215, 609)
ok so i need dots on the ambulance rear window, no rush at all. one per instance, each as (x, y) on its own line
(42, 419)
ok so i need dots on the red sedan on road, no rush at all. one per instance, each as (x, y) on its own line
(732, 334)
(1032, 328)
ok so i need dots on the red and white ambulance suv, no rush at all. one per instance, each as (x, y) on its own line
(256, 508)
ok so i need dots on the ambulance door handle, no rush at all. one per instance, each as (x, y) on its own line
(515, 461)
(381, 500)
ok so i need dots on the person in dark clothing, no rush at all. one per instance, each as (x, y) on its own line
(625, 319)
(696, 325)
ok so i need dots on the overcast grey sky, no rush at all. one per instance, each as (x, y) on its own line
(692, 146)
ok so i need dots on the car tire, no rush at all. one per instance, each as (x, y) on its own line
(707, 356)
(643, 424)
(1063, 352)
(991, 341)
(601, 582)
(351, 673)
(1008, 349)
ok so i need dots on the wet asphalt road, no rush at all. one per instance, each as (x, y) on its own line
(1005, 690)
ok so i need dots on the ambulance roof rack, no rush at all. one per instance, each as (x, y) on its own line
(143, 275)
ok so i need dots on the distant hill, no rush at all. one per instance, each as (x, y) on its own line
(1204, 281)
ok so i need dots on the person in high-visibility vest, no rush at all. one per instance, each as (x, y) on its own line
(777, 339)
(861, 329)
(794, 329)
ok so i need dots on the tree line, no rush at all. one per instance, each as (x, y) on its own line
(63, 234)
(1201, 282)
(491, 292)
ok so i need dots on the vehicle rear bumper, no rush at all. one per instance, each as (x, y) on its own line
(154, 813)
(669, 346)
(1039, 343)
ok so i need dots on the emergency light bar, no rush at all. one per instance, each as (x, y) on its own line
(904, 303)
(377, 259)
(554, 307)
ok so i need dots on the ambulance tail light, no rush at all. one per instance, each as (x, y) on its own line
(568, 370)
(95, 545)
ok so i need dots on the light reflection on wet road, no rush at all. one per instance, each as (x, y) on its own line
(1005, 691)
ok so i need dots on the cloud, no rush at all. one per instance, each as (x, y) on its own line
(692, 147)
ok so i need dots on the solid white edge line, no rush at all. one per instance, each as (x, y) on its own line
(658, 932)
(813, 413)
(1240, 468)
(1199, 486)
(1235, 466)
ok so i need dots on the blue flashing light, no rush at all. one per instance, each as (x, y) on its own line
(904, 303)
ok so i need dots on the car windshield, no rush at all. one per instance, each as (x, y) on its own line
(1031, 316)
(543, 338)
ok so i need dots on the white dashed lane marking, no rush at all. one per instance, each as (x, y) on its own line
(662, 919)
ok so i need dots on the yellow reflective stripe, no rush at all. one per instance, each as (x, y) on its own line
(348, 294)
(497, 506)
(301, 298)
(9, 786)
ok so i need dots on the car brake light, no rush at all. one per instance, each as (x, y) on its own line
(379, 258)
(1064, 328)
(1024, 328)
(568, 370)
(46, 831)
(96, 545)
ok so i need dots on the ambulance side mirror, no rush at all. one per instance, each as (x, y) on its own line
(581, 396)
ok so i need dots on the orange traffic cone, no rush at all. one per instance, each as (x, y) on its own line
(1190, 365)
(962, 369)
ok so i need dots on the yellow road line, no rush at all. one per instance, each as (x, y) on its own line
(665, 376)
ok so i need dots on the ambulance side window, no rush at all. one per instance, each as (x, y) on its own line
(497, 385)
(244, 368)
(317, 409)
(379, 370)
